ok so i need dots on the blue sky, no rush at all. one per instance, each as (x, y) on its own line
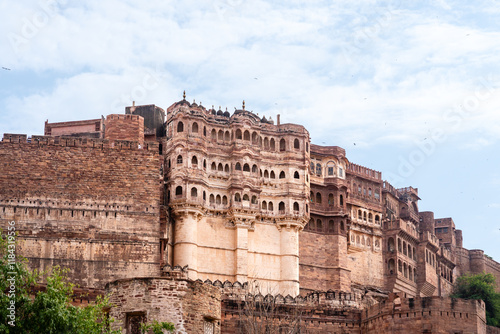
(407, 88)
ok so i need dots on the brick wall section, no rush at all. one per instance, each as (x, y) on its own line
(322, 264)
(425, 315)
(124, 127)
(81, 204)
(475, 261)
(492, 330)
(187, 304)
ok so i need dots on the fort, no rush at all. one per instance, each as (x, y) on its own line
(182, 213)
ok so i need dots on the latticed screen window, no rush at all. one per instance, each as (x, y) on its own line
(208, 327)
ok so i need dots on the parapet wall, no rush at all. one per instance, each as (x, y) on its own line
(193, 307)
(425, 315)
(90, 205)
(124, 127)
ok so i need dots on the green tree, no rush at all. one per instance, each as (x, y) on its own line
(157, 327)
(50, 311)
(480, 286)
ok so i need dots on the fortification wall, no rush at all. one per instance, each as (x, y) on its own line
(193, 307)
(425, 315)
(89, 205)
(323, 262)
(475, 261)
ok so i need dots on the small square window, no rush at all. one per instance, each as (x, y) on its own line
(330, 170)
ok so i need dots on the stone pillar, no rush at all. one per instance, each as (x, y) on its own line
(186, 242)
(241, 254)
(289, 273)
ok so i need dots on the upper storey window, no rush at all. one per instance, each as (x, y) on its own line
(194, 128)
(179, 159)
(318, 169)
(238, 134)
(296, 144)
(180, 127)
(246, 135)
(272, 144)
(282, 145)
(330, 171)
(341, 172)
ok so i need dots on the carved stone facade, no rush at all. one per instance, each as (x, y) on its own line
(224, 198)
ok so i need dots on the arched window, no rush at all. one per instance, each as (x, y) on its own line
(281, 207)
(296, 207)
(179, 159)
(282, 175)
(254, 169)
(331, 226)
(391, 265)
(204, 195)
(194, 192)
(212, 199)
(266, 174)
(214, 135)
(238, 166)
(254, 199)
(224, 200)
(194, 128)
(246, 197)
(238, 134)
(178, 191)
(364, 216)
(370, 217)
(204, 164)
(255, 138)
(180, 127)
(399, 246)
(400, 266)
(311, 225)
(264, 205)
(220, 168)
(246, 168)
(319, 225)
(194, 161)
(390, 245)
(360, 214)
(342, 225)
(205, 131)
(405, 270)
(270, 206)
(237, 197)
(226, 168)
(273, 176)
(404, 248)
(318, 169)
(220, 136)
(377, 219)
(318, 198)
(330, 199)
(282, 145)
(266, 143)
(218, 199)
(341, 200)
(311, 197)
(272, 145)
(246, 135)
(296, 175)
(213, 166)
(296, 144)
(227, 136)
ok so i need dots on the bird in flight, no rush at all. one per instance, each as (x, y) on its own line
(5, 68)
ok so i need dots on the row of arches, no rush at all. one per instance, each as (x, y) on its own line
(318, 198)
(316, 225)
(361, 240)
(403, 248)
(253, 137)
(238, 167)
(368, 217)
(404, 269)
(366, 191)
(330, 169)
(238, 198)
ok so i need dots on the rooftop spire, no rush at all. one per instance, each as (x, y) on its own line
(243, 104)
(184, 96)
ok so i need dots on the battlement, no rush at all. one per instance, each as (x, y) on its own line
(409, 190)
(430, 238)
(364, 172)
(327, 150)
(78, 142)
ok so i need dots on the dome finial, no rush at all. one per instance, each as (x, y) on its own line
(184, 96)
(243, 104)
